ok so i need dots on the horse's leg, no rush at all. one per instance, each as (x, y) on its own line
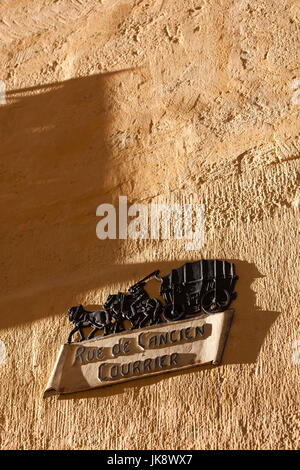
(92, 333)
(107, 324)
(114, 327)
(156, 314)
(152, 314)
(133, 320)
(72, 332)
(134, 317)
(144, 320)
(119, 326)
(82, 338)
(137, 322)
(106, 331)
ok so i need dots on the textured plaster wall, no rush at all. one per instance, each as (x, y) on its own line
(183, 101)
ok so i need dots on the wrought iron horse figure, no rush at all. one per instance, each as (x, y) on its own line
(136, 306)
(81, 318)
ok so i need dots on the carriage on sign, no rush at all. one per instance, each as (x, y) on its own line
(206, 285)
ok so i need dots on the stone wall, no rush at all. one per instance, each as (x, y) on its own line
(162, 101)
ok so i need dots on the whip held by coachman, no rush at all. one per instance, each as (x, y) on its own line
(204, 285)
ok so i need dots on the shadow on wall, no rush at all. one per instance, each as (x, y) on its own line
(250, 325)
(249, 328)
(56, 168)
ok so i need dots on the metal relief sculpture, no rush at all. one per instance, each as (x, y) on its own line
(143, 336)
(200, 286)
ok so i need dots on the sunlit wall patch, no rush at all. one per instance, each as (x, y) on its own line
(2, 353)
(2, 92)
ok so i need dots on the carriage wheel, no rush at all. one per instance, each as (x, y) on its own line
(214, 301)
(172, 313)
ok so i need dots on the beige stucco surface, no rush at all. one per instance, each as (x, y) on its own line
(173, 101)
